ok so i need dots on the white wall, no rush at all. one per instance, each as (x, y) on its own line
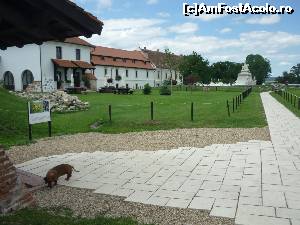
(68, 53)
(16, 60)
(131, 80)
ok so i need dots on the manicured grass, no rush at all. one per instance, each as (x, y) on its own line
(287, 104)
(58, 217)
(132, 113)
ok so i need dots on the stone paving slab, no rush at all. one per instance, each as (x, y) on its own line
(255, 182)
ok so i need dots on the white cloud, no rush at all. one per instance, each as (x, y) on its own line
(184, 28)
(225, 30)
(283, 63)
(163, 14)
(209, 17)
(152, 2)
(263, 20)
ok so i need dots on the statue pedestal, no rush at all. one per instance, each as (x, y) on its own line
(245, 77)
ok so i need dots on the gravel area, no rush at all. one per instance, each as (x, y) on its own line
(145, 141)
(87, 204)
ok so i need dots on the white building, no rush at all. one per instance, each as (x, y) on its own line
(59, 65)
(52, 65)
(121, 68)
(162, 70)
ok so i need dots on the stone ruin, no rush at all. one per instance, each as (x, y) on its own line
(13, 194)
(59, 100)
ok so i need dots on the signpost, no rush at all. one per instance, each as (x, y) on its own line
(39, 112)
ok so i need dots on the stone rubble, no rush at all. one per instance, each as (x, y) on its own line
(59, 100)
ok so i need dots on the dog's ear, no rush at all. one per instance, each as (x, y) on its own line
(46, 180)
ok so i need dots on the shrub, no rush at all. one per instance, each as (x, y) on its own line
(164, 90)
(147, 89)
(109, 80)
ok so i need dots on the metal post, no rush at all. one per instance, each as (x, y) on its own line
(109, 112)
(192, 111)
(30, 132)
(233, 105)
(236, 103)
(49, 128)
(151, 106)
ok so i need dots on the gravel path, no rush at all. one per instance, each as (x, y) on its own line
(87, 204)
(149, 140)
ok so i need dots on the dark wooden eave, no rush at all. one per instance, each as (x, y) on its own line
(35, 21)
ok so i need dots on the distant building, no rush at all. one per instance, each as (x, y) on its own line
(162, 71)
(124, 68)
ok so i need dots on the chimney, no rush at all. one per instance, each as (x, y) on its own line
(158, 50)
(145, 48)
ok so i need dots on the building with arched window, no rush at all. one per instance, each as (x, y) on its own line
(51, 66)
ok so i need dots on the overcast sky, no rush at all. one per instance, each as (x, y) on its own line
(158, 24)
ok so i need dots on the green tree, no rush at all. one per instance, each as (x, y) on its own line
(296, 71)
(147, 89)
(225, 72)
(171, 61)
(259, 66)
(195, 65)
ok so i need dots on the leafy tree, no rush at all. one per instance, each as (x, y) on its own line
(147, 89)
(292, 77)
(195, 65)
(296, 71)
(259, 66)
(225, 72)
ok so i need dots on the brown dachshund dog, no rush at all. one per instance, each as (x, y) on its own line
(58, 171)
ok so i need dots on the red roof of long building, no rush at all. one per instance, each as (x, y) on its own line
(120, 58)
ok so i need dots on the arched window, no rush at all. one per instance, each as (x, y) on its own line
(9, 82)
(27, 78)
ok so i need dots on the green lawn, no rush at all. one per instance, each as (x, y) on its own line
(58, 217)
(287, 104)
(132, 113)
(295, 91)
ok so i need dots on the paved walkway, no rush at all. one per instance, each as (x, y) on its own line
(255, 182)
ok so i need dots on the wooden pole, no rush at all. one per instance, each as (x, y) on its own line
(228, 107)
(233, 105)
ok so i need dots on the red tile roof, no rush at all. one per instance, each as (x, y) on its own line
(84, 65)
(72, 64)
(120, 58)
(64, 63)
(78, 41)
(159, 58)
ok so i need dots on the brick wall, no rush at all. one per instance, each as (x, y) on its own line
(13, 194)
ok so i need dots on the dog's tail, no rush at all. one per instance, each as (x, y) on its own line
(75, 169)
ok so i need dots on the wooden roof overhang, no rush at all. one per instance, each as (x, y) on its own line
(35, 21)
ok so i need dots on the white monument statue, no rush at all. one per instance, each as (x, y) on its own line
(245, 77)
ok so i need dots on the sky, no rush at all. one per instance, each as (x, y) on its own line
(160, 24)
